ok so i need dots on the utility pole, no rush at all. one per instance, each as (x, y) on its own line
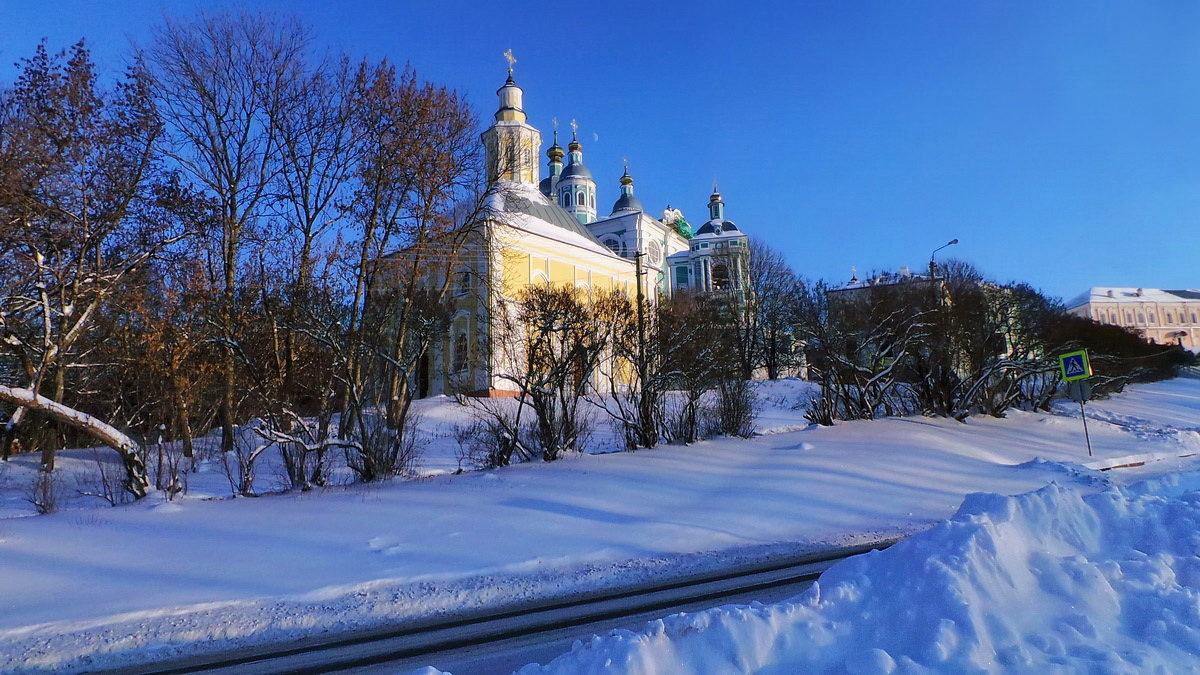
(644, 412)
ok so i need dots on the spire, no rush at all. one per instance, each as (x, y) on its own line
(716, 205)
(576, 188)
(511, 144)
(510, 96)
(627, 202)
(555, 166)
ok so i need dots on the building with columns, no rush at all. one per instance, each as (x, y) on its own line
(550, 231)
(1159, 315)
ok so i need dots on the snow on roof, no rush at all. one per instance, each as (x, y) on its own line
(525, 208)
(1125, 294)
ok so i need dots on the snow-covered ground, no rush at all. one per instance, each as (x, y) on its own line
(93, 586)
(1055, 580)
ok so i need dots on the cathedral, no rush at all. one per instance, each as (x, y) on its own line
(550, 231)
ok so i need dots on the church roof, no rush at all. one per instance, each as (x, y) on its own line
(717, 227)
(628, 203)
(573, 170)
(535, 213)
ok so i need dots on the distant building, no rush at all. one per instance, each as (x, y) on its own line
(1159, 315)
(905, 278)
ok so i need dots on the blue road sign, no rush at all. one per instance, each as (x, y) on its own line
(1074, 366)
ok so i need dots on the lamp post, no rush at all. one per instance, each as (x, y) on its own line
(932, 264)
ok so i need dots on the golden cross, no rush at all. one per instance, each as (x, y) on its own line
(508, 56)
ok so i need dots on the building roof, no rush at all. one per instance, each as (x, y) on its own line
(628, 203)
(573, 170)
(1133, 295)
(526, 208)
(717, 227)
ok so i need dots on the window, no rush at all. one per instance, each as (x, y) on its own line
(460, 353)
(720, 276)
(580, 201)
(1168, 319)
(681, 275)
(593, 201)
(1151, 317)
(614, 245)
(1128, 317)
(1112, 317)
(1193, 317)
(566, 199)
(704, 245)
(462, 285)
(1141, 318)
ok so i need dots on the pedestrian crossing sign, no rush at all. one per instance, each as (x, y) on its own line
(1074, 366)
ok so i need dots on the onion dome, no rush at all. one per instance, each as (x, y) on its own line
(627, 202)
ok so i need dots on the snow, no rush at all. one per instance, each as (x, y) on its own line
(95, 587)
(1055, 580)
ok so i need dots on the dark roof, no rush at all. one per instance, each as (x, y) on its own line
(547, 211)
(1186, 295)
(717, 227)
(576, 170)
(628, 203)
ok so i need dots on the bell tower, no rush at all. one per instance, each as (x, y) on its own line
(511, 144)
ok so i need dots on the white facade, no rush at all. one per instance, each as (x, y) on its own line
(1159, 315)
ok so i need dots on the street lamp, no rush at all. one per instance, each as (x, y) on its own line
(932, 264)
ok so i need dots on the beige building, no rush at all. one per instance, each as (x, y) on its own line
(1161, 316)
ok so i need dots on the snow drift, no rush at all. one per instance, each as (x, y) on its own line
(1049, 581)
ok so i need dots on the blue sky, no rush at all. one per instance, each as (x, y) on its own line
(1060, 142)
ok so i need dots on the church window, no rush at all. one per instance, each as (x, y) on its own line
(460, 353)
(579, 199)
(1168, 317)
(593, 201)
(1151, 317)
(1112, 317)
(462, 284)
(1128, 317)
(614, 245)
(1193, 317)
(1141, 318)
(681, 275)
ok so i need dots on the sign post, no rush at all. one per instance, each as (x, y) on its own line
(1075, 368)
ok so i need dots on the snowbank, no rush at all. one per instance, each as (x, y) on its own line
(1048, 581)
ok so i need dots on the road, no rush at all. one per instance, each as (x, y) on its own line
(504, 641)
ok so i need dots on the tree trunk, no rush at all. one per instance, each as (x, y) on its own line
(136, 480)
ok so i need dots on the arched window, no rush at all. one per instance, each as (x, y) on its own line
(1128, 317)
(1112, 317)
(1152, 317)
(720, 274)
(593, 201)
(462, 283)
(1141, 318)
(566, 199)
(614, 245)
(460, 353)
(1168, 318)
(1193, 317)
(580, 200)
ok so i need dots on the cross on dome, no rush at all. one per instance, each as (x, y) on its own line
(508, 56)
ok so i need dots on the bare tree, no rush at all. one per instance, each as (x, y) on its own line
(92, 208)
(223, 83)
